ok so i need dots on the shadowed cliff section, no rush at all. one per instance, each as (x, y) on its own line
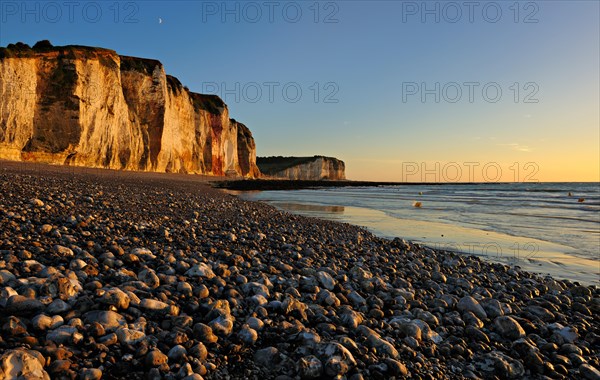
(87, 106)
(314, 168)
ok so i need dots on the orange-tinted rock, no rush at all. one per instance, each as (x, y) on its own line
(91, 107)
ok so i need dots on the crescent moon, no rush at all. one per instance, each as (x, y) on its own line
(160, 20)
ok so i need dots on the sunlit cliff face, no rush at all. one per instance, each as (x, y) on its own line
(91, 107)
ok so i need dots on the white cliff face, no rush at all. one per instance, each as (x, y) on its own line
(313, 168)
(321, 168)
(18, 83)
(91, 107)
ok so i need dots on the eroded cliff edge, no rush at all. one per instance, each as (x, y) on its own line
(314, 168)
(91, 107)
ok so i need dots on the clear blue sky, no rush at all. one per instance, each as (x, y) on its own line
(371, 62)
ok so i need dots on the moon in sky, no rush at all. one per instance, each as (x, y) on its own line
(160, 20)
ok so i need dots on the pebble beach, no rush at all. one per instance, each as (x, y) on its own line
(150, 276)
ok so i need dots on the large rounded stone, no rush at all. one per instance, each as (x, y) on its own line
(469, 303)
(23, 364)
(509, 328)
(109, 320)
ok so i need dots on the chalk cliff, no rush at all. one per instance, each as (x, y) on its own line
(91, 107)
(302, 168)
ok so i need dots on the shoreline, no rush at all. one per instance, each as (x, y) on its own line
(284, 184)
(172, 276)
(549, 259)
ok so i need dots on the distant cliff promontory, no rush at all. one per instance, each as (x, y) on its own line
(88, 106)
(302, 168)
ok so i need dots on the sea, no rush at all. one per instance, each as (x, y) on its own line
(547, 228)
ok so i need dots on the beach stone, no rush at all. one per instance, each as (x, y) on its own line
(257, 300)
(219, 308)
(109, 320)
(502, 364)
(201, 270)
(90, 374)
(248, 335)
(530, 354)
(129, 336)
(57, 306)
(569, 334)
(426, 331)
(36, 202)
(59, 366)
(115, 297)
(540, 312)
(581, 291)
(14, 326)
(335, 367)
(45, 229)
(589, 372)
(204, 333)
(155, 358)
(356, 299)
(410, 329)
(426, 316)
(201, 291)
(108, 339)
(158, 307)
(23, 364)
(77, 264)
(68, 288)
(6, 277)
(42, 322)
(149, 277)
(309, 338)
(351, 318)
(396, 368)
(332, 300)
(143, 253)
(6, 293)
(222, 325)
(493, 308)
(336, 358)
(469, 303)
(20, 305)
(577, 360)
(295, 308)
(199, 351)
(439, 277)
(509, 328)
(471, 320)
(255, 288)
(61, 335)
(581, 308)
(569, 348)
(477, 335)
(327, 298)
(326, 280)
(309, 367)
(267, 357)
(63, 251)
(185, 288)
(255, 323)
(177, 353)
(374, 340)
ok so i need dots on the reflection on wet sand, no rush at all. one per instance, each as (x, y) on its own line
(290, 206)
